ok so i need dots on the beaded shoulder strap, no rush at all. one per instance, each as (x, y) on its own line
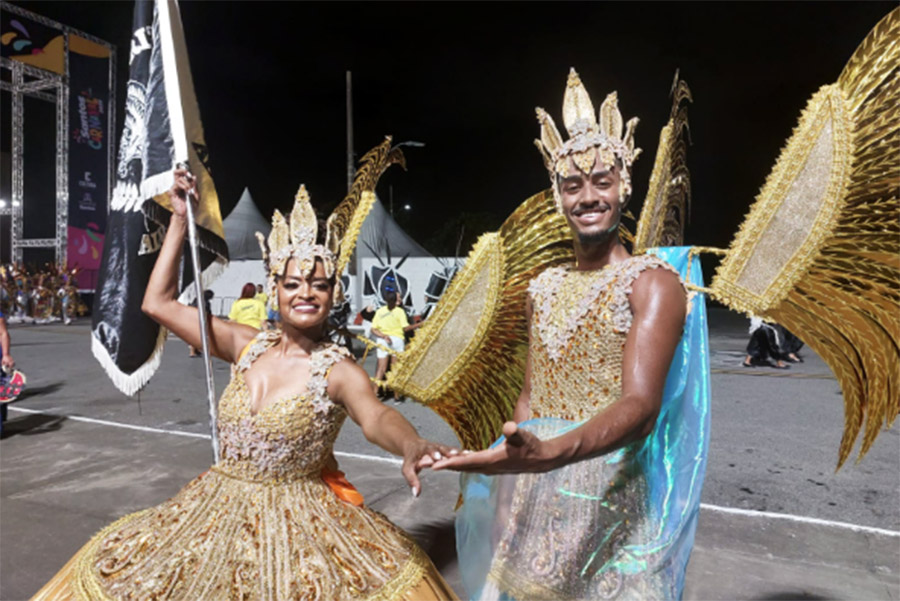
(257, 347)
(320, 363)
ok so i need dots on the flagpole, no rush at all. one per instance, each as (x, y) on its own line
(204, 319)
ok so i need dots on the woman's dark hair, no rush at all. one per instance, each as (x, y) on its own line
(248, 291)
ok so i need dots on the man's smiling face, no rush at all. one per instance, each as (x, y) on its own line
(591, 202)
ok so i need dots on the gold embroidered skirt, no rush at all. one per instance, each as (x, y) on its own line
(222, 537)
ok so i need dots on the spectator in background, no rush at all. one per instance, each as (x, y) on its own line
(7, 361)
(771, 345)
(248, 310)
(260, 295)
(388, 326)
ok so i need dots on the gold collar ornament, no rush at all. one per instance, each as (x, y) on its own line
(296, 239)
(589, 139)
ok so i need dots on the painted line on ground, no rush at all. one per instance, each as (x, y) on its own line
(800, 518)
(394, 461)
(391, 460)
(103, 422)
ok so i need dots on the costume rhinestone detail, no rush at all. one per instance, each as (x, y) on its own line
(261, 524)
(592, 137)
(580, 321)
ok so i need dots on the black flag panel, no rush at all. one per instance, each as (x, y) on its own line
(162, 127)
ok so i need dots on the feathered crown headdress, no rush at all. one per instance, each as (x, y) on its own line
(589, 139)
(296, 239)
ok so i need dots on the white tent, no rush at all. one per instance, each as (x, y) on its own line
(245, 263)
(380, 234)
(241, 225)
(380, 239)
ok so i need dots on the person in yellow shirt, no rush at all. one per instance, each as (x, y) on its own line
(247, 309)
(260, 295)
(388, 326)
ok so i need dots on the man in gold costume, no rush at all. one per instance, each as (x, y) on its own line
(576, 522)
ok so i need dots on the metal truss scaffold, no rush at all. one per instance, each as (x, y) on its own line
(26, 80)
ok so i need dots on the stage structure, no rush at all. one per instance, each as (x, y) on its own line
(75, 72)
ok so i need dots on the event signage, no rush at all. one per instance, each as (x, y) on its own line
(88, 154)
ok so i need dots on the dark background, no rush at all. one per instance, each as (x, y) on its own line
(464, 78)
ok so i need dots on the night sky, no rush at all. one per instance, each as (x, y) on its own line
(464, 79)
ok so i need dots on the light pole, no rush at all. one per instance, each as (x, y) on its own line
(406, 207)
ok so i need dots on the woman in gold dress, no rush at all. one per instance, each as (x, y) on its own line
(264, 522)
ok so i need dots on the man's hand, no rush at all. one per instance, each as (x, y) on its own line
(521, 452)
(422, 453)
(8, 362)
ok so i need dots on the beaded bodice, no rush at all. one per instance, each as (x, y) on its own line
(289, 438)
(579, 324)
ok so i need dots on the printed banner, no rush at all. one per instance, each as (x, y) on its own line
(162, 127)
(88, 155)
(32, 43)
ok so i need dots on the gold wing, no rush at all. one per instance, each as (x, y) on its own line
(346, 220)
(467, 362)
(668, 202)
(819, 251)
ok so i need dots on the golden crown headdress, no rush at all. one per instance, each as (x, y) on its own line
(296, 239)
(590, 138)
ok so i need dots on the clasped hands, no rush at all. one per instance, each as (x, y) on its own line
(521, 452)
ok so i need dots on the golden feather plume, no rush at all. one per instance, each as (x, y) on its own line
(819, 251)
(346, 220)
(667, 205)
(467, 362)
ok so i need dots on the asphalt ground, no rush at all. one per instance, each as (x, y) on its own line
(777, 521)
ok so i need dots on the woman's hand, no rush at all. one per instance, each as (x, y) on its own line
(420, 453)
(8, 362)
(521, 452)
(184, 184)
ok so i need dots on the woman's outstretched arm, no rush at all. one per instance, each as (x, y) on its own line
(161, 298)
(383, 425)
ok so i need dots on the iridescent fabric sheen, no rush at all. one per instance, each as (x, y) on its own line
(619, 526)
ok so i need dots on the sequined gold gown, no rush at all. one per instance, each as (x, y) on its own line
(573, 533)
(261, 524)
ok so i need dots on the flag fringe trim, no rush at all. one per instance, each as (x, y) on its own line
(132, 383)
(206, 239)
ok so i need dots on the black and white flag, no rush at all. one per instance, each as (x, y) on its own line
(162, 128)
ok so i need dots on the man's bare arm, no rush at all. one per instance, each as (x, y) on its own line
(659, 305)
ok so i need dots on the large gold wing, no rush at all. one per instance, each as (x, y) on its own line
(819, 251)
(668, 203)
(467, 362)
(346, 220)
